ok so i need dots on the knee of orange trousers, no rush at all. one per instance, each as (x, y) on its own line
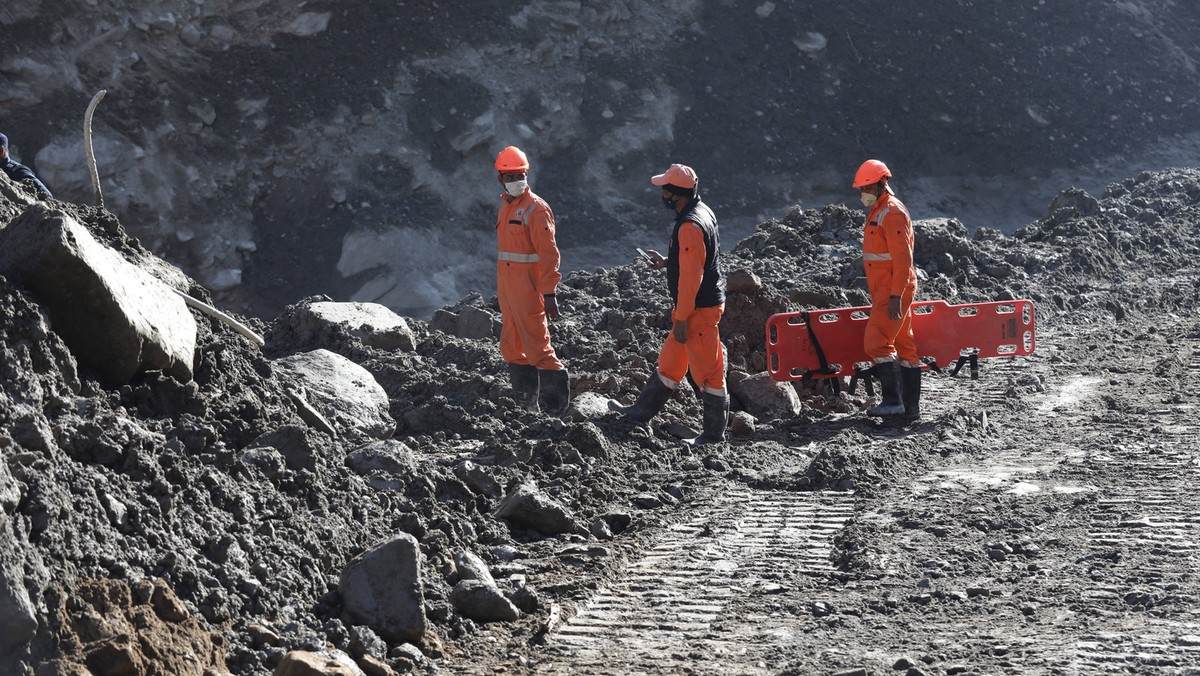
(906, 344)
(879, 340)
(526, 340)
(702, 354)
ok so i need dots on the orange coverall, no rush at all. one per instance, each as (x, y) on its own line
(702, 352)
(526, 269)
(888, 259)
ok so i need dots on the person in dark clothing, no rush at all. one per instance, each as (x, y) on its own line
(16, 171)
(698, 289)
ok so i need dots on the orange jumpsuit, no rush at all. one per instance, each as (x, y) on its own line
(702, 352)
(526, 270)
(888, 259)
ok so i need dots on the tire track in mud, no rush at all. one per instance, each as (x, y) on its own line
(1139, 613)
(1147, 528)
(666, 604)
(1114, 594)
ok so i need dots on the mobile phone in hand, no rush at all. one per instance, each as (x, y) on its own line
(645, 256)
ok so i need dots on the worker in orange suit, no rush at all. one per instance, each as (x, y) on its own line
(698, 290)
(526, 278)
(892, 283)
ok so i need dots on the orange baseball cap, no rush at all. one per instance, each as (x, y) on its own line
(679, 175)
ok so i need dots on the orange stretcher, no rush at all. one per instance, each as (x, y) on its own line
(829, 343)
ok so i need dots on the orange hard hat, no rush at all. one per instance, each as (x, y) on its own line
(512, 159)
(871, 172)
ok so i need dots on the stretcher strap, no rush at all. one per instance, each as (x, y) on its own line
(812, 336)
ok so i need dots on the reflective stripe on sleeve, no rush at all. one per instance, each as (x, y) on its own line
(516, 257)
(877, 256)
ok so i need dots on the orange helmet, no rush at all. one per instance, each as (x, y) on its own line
(871, 171)
(512, 159)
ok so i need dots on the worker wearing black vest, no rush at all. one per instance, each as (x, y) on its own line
(698, 290)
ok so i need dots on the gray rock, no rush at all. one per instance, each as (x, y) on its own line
(114, 316)
(617, 521)
(363, 641)
(588, 440)
(292, 443)
(18, 620)
(681, 430)
(766, 399)
(10, 490)
(478, 479)
(529, 507)
(266, 459)
(345, 394)
(741, 424)
(372, 323)
(471, 567)
(323, 663)
(390, 455)
(475, 322)
(647, 501)
(381, 588)
(743, 281)
(482, 602)
(600, 529)
(469, 322)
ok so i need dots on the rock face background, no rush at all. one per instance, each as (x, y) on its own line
(274, 150)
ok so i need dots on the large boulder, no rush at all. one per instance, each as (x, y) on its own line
(115, 317)
(344, 393)
(372, 323)
(381, 588)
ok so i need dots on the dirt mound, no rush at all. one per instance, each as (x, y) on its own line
(218, 492)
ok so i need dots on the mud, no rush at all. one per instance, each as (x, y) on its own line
(160, 518)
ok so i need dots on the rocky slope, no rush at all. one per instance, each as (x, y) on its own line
(220, 517)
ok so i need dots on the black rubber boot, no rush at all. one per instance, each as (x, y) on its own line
(889, 382)
(524, 385)
(910, 386)
(556, 391)
(653, 397)
(716, 417)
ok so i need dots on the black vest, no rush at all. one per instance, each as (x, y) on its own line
(712, 287)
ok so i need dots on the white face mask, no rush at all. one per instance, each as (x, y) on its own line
(867, 199)
(516, 188)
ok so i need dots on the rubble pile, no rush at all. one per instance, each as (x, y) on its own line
(363, 487)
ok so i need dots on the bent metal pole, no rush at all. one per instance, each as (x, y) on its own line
(87, 146)
(226, 319)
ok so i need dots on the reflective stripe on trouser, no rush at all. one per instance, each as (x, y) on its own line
(887, 339)
(701, 353)
(524, 336)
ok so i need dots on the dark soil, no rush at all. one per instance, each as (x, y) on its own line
(144, 524)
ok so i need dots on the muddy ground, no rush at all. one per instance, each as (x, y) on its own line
(1037, 520)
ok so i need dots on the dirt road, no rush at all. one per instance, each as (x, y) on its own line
(1042, 521)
